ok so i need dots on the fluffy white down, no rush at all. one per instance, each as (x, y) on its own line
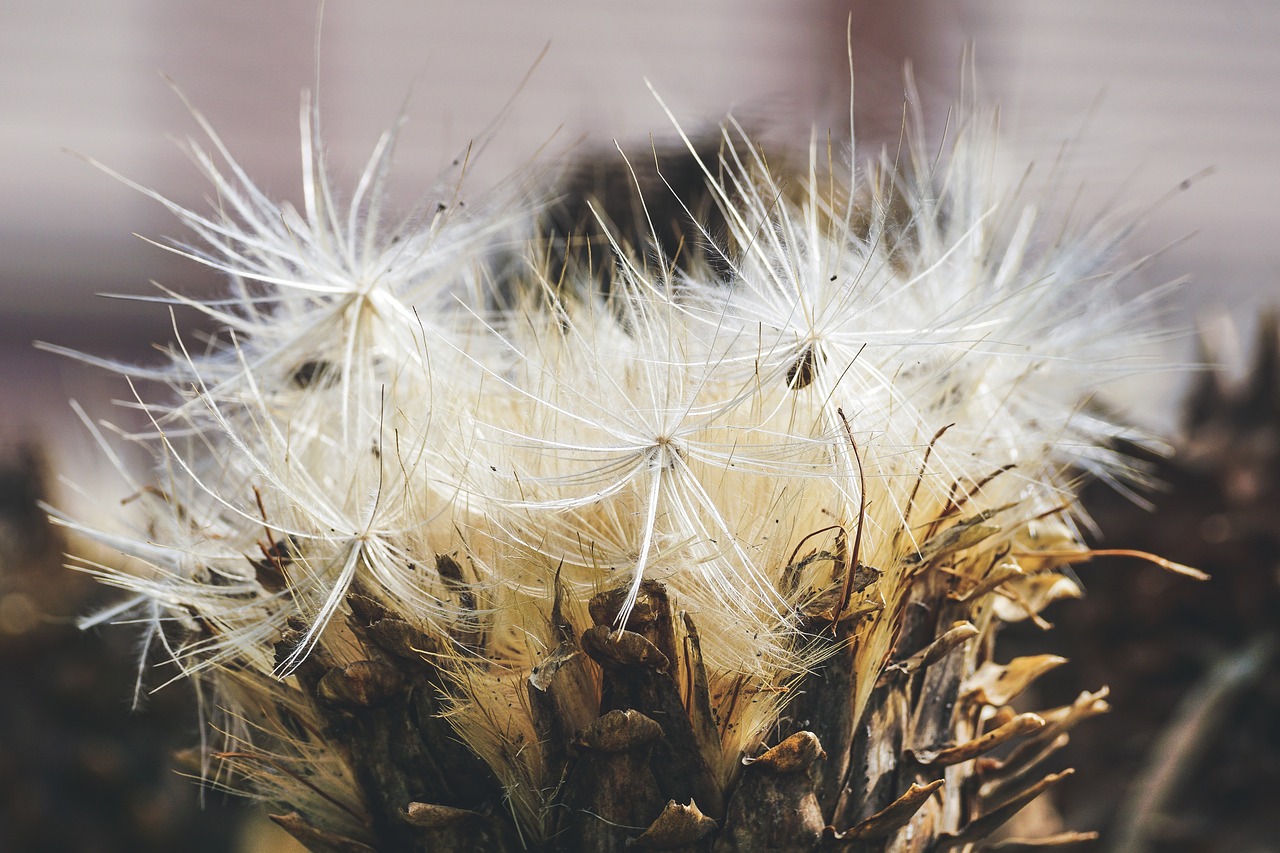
(381, 394)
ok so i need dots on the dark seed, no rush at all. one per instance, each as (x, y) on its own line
(309, 372)
(801, 374)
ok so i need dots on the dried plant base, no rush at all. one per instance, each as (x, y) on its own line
(911, 773)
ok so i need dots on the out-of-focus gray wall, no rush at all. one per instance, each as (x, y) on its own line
(1153, 92)
(1159, 90)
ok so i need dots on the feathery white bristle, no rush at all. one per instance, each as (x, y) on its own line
(883, 355)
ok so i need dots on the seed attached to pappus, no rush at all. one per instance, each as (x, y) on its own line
(804, 369)
(312, 371)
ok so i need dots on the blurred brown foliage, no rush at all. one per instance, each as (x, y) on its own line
(79, 769)
(1189, 725)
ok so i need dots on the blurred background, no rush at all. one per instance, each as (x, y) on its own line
(1148, 95)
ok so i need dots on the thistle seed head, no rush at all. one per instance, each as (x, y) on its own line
(436, 472)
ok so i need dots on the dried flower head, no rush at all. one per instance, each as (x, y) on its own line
(469, 541)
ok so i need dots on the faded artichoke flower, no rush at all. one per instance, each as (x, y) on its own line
(470, 539)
